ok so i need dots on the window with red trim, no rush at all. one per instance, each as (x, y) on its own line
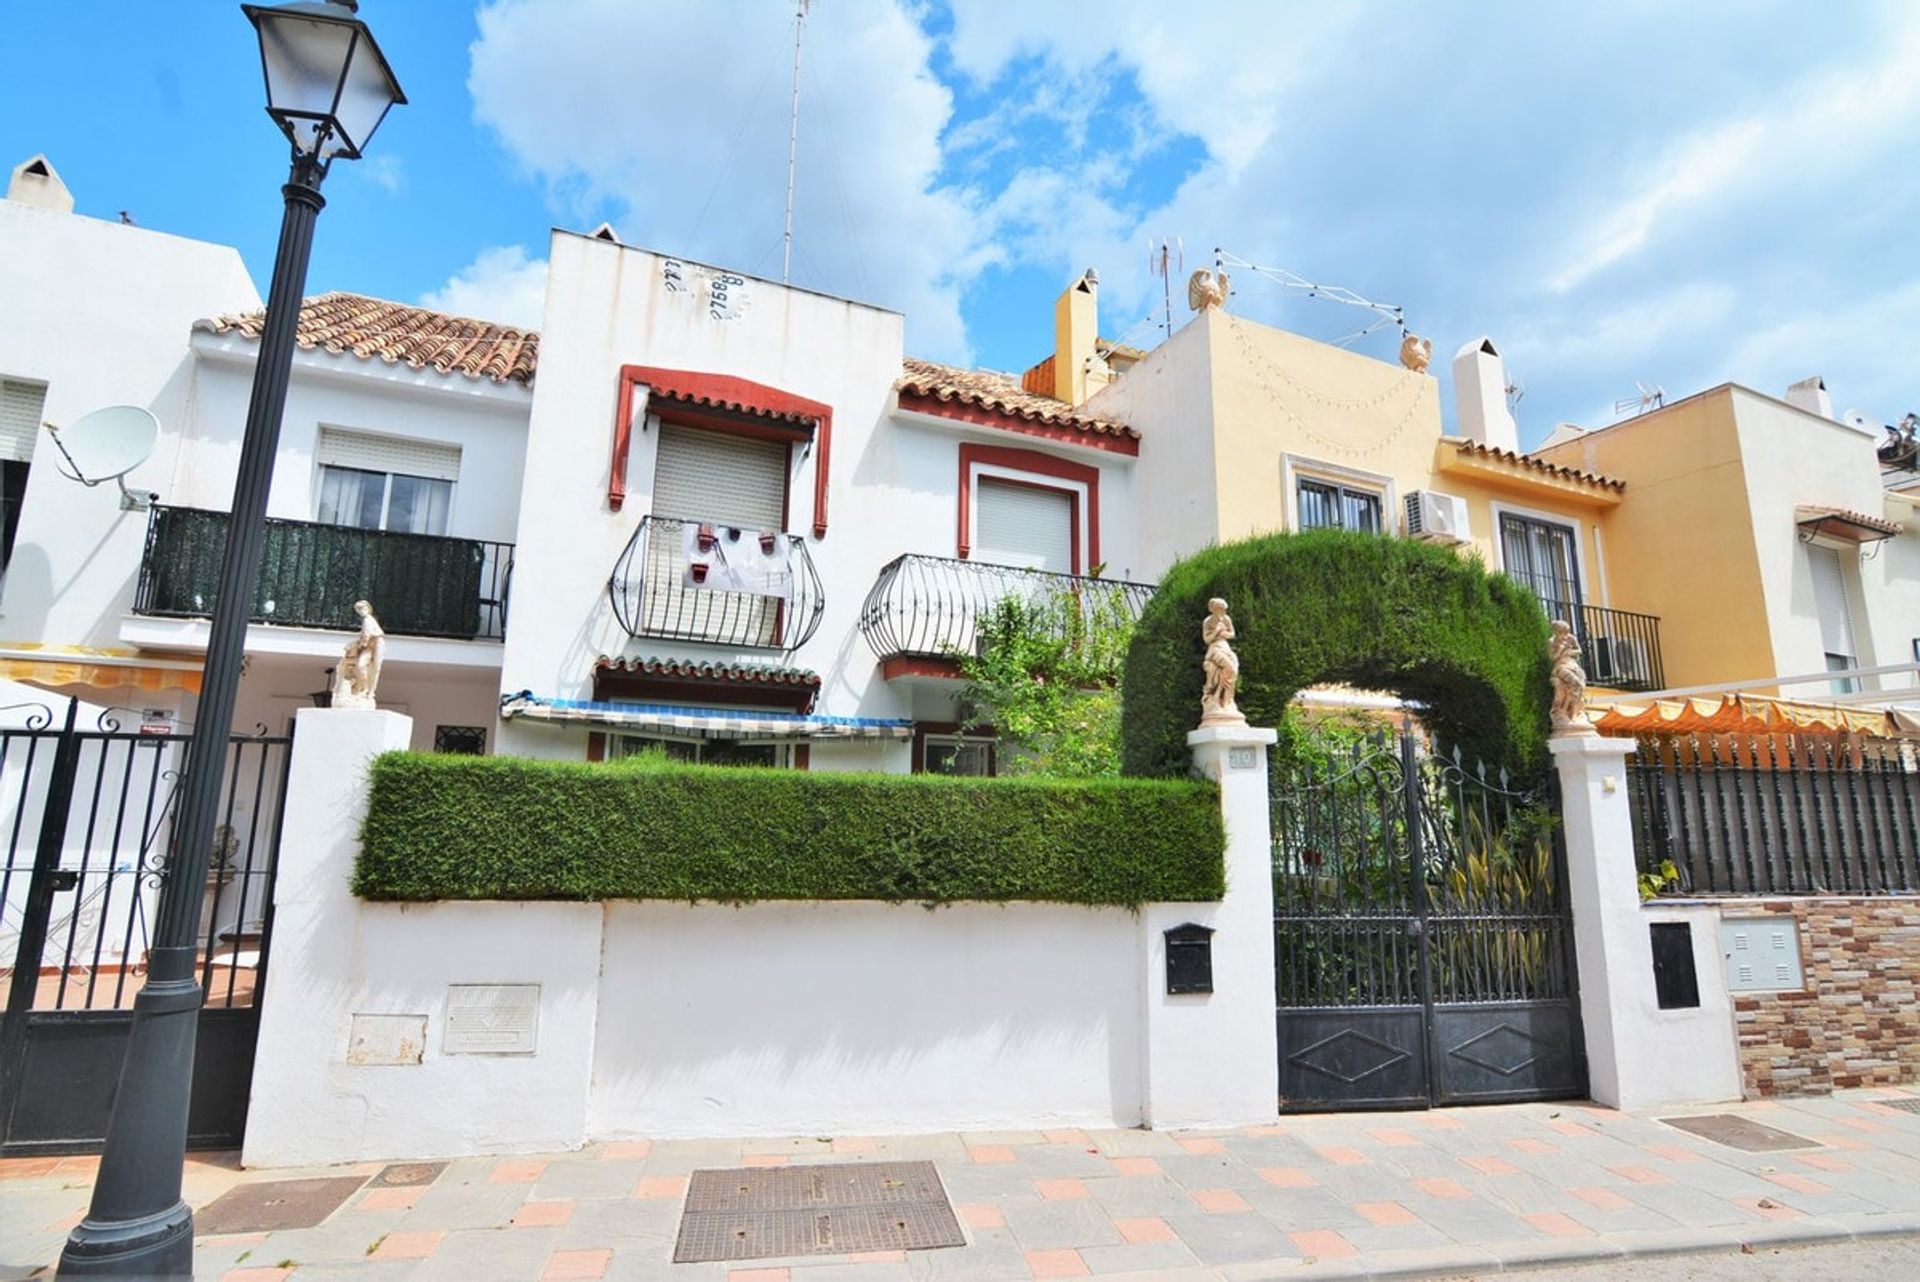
(1025, 508)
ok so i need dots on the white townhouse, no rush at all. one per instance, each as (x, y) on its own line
(698, 509)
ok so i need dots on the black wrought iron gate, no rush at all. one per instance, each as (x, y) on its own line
(1423, 947)
(86, 818)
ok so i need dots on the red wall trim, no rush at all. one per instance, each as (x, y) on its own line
(715, 419)
(974, 414)
(918, 665)
(596, 746)
(972, 456)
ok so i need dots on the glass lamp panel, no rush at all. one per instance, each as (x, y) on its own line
(303, 58)
(365, 97)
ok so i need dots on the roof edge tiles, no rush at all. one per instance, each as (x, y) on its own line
(1004, 399)
(1575, 475)
(689, 670)
(401, 334)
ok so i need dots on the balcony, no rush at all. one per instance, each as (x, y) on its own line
(310, 575)
(930, 607)
(708, 582)
(1621, 649)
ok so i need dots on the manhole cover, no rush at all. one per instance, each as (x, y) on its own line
(1905, 1105)
(1739, 1132)
(273, 1205)
(758, 1213)
(402, 1175)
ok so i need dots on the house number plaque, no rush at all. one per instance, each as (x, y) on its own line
(492, 1019)
(1240, 759)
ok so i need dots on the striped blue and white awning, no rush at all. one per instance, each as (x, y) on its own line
(706, 723)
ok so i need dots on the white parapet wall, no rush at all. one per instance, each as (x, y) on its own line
(440, 1030)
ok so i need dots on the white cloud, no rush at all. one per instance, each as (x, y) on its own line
(672, 119)
(501, 284)
(386, 171)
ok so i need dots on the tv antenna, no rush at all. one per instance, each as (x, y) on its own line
(1516, 391)
(1167, 260)
(104, 446)
(1291, 282)
(793, 137)
(1652, 397)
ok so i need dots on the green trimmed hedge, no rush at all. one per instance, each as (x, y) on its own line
(1378, 613)
(449, 827)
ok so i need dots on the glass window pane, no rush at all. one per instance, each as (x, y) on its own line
(349, 496)
(419, 505)
(1317, 509)
(959, 757)
(1360, 511)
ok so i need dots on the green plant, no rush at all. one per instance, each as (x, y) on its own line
(1416, 619)
(1045, 676)
(449, 827)
(1658, 882)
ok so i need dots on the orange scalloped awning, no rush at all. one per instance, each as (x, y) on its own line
(1748, 714)
(101, 670)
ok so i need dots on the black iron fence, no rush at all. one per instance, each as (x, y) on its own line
(1621, 649)
(934, 605)
(705, 581)
(310, 576)
(1777, 814)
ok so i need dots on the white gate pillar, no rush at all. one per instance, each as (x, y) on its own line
(1212, 1058)
(1637, 1054)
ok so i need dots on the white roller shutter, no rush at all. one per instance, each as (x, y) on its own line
(1023, 525)
(394, 454)
(711, 476)
(21, 405)
(1830, 601)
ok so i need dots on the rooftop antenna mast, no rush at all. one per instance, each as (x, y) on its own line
(793, 137)
(1166, 260)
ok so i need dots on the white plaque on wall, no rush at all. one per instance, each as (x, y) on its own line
(386, 1040)
(492, 1019)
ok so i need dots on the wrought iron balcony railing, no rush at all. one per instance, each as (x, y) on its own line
(1621, 649)
(310, 576)
(705, 581)
(933, 605)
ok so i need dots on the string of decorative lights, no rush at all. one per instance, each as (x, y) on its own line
(1261, 365)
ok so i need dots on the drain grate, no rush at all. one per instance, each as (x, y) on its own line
(273, 1205)
(405, 1175)
(1742, 1133)
(1904, 1105)
(762, 1212)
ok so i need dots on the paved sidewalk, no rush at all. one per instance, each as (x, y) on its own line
(1451, 1192)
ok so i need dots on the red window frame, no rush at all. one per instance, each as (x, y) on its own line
(973, 457)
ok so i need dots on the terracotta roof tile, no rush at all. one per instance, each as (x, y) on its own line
(1574, 474)
(1817, 514)
(1002, 395)
(402, 335)
(688, 669)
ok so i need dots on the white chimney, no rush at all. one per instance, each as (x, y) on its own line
(35, 183)
(1480, 394)
(1810, 394)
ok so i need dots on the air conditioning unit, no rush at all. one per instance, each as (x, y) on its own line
(1619, 661)
(1434, 517)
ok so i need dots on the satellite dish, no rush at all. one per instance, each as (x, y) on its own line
(105, 445)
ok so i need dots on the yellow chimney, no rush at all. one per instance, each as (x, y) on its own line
(1078, 370)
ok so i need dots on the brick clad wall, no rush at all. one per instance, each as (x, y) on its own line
(1857, 1021)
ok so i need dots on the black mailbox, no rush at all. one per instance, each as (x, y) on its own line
(1676, 985)
(1190, 959)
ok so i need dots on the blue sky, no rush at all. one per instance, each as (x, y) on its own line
(1639, 191)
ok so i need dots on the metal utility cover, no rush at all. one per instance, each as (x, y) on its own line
(406, 1175)
(762, 1212)
(1739, 1132)
(274, 1205)
(1906, 1105)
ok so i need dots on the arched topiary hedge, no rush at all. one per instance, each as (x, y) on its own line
(1378, 613)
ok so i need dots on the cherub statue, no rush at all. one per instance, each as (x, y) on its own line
(1206, 289)
(1416, 353)
(358, 675)
(1569, 681)
(1217, 707)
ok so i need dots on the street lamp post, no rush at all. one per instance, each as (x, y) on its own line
(328, 88)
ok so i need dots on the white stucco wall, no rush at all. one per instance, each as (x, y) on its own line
(865, 1018)
(100, 312)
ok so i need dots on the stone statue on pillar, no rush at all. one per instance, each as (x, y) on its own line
(358, 676)
(1569, 682)
(1217, 707)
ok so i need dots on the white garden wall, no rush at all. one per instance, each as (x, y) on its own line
(668, 1019)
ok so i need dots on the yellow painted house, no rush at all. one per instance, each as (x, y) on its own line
(1729, 538)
